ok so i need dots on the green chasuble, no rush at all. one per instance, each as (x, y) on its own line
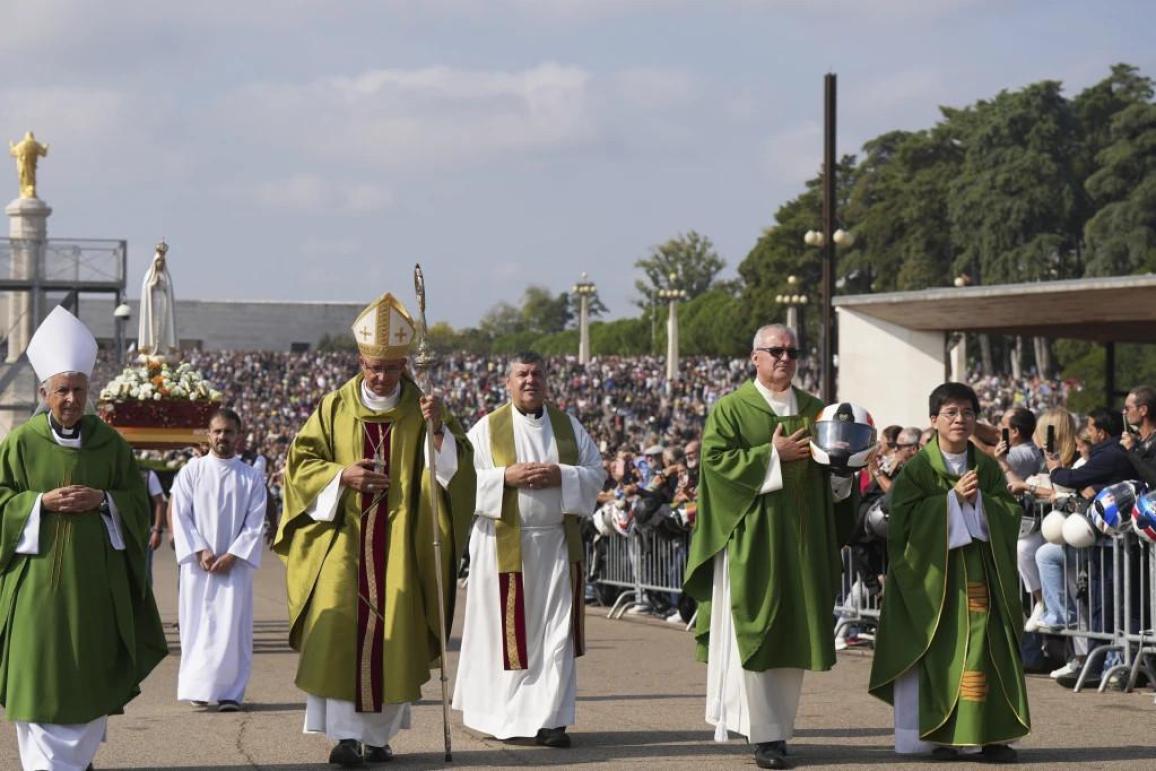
(362, 588)
(79, 629)
(782, 547)
(956, 615)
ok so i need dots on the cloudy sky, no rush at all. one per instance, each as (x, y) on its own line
(316, 150)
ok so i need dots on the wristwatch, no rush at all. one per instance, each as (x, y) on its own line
(105, 508)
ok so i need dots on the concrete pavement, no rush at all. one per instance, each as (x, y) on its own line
(640, 704)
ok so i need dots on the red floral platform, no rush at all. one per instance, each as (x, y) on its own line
(161, 423)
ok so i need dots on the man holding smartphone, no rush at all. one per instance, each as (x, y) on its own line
(1016, 451)
(1139, 437)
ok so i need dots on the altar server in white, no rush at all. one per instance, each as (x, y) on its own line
(218, 518)
(538, 474)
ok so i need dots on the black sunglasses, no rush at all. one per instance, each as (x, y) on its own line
(777, 352)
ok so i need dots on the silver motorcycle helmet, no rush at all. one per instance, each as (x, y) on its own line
(842, 438)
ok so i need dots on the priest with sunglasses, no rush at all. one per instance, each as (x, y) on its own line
(764, 559)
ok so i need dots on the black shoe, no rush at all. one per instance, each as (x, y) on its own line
(347, 754)
(998, 753)
(1069, 681)
(553, 737)
(771, 755)
(373, 754)
(945, 754)
(228, 705)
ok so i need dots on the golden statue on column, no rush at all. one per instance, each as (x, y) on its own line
(27, 153)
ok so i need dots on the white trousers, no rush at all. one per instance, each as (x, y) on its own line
(758, 705)
(906, 694)
(339, 719)
(1026, 549)
(59, 747)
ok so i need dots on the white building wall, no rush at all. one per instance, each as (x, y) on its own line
(888, 369)
(235, 324)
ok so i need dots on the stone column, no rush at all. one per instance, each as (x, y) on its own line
(957, 357)
(28, 234)
(672, 342)
(584, 329)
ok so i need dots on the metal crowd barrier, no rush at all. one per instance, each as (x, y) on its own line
(639, 563)
(858, 604)
(1109, 593)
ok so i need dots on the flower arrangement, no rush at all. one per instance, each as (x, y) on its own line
(156, 381)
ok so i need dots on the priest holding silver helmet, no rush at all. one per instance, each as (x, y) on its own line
(764, 558)
(80, 629)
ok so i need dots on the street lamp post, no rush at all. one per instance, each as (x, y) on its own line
(121, 315)
(585, 289)
(672, 295)
(795, 301)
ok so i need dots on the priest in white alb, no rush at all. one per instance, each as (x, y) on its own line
(538, 473)
(218, 521)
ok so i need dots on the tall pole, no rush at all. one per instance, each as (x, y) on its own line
(827, 290)
(584, 330)
(672, 294)
(423, 362)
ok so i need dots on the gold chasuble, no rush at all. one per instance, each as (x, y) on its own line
(362, 588)
(508, 534)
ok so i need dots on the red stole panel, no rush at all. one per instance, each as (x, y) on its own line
(371, 575)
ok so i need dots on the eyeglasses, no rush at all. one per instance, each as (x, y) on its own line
(777, 352)
(905, 445)
(951, 415)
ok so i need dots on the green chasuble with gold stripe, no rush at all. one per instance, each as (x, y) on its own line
(79, 629)
(956, 614)
(362, 588)
(782, 546)
(508, 535)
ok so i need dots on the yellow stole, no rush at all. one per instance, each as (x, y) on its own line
(508, 534)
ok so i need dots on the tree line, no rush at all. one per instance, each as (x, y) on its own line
(1029, 185)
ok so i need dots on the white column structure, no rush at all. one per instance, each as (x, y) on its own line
(28, 234)
(672, 295)
(672, 342)
(585, 289)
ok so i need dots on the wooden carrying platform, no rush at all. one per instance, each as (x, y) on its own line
(161, 424)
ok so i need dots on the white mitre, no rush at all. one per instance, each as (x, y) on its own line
(62, 344)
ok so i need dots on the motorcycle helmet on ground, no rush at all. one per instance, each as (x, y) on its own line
(842, 438)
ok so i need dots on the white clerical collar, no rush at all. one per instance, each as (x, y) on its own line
(379, 403)
(73, 440)
(781, 397)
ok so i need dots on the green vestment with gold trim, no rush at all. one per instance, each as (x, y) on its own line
(954, 614)
(79, 628)
(323, 559)
(782, 546)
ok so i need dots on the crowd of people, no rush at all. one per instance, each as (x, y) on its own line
(550, 455)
